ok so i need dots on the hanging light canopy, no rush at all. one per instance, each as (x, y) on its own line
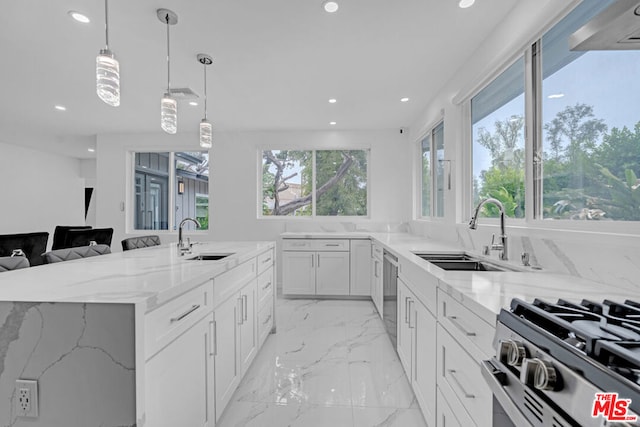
(107, 69)
(206, 130)
(168, 104)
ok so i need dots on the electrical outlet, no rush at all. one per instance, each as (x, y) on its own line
(26, 398)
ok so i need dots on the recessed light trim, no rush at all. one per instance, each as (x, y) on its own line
(79, 17)
(332, 123)
(330, 6)
(60, 107)
(193, 103)
(405, 99)
(91, 150)
(556, 96)
(333, 101)
(466, 3)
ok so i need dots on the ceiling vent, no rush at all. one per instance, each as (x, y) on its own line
(183, 94)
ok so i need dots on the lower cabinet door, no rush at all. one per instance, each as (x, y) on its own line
(248, 328)
(181, 376)
(405, 327)
(424, 362)
(332, 273)
(227, 363)
(298, 273)
(446, 417)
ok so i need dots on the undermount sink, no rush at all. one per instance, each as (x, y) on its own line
(460, 261)
(209, 257)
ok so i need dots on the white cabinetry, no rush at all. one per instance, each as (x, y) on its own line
(464, 339)
(376, 277)
(416, 337)
(177, 377)
(360, 283)
(315, 266)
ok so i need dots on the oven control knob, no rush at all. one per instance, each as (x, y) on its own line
(540, 374)
(512, 352)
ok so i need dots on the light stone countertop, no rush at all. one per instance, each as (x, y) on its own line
(148, 276)
(486, 292)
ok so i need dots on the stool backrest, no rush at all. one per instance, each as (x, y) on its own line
(32, 244)
(101, 236)
(60, 234)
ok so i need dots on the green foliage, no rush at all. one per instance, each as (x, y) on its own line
(625, 195)
(506, 185)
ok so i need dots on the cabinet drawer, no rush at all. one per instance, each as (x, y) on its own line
(265, 322)
(296, 245)
(265, 260)
(465, 326)
(446, 417)
(265, 286)
(167, 322)
(231, 281)
(461, 382)
(376, 251)
(315, 244)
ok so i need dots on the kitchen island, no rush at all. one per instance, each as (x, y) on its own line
(144, 337)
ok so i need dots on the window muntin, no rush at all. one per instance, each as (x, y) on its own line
(591, 127)
(153, 194)
(498, 151)
(426, 175)
(314, 183)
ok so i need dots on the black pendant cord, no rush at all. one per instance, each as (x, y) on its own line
(168, 59)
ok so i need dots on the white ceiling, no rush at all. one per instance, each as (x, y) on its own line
(276, 63)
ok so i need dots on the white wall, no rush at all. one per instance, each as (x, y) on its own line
(607, 257)
(38, 191)
(234, 178)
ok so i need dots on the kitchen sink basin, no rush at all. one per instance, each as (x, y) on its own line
(209, 257)
(460, 261)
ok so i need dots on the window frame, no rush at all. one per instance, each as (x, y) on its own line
(533, 132)
(313, 216)
(433, 206)
(129, 207)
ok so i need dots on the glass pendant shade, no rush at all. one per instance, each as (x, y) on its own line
(206, 134)
(169, 114)
(108, 78)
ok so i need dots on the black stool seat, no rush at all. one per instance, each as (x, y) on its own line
(8, 263)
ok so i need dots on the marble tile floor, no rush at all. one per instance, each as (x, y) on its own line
(330, 364)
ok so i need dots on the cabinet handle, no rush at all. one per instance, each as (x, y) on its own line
(213, 338)
(375, 270)
(410, 302)
(332, 244)
(267, 285)
(406, 309)
(312, 260)
(459, 326)
(185, 314)
(266, 260)
(241, 316)
(245, 314)
(318, 260)
(267, 320)
(455, 380)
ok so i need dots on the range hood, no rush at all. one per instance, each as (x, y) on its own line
(615, 28)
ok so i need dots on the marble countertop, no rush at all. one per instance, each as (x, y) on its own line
(150, 276)
(486, 292)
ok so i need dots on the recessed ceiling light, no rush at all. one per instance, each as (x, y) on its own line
(193, 103)
(404, 99)
(91, 150)
(333, 101)
(466, 3)
(60, 108)
(556, 96)
(83, 19)
(332, 123)
(330, 6)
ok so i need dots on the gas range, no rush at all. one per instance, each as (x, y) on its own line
(557, 364)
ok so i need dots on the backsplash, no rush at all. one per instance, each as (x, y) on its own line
(606, 258)
(344, 226)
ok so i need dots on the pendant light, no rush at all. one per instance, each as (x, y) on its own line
(107, 69)
(168, 104)
(206, 130)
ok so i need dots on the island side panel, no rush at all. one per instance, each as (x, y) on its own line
(82, 356)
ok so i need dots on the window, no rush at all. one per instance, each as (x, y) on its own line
(433, 172)
(591, 128)
(314, 183)
(189, 173)
(497, 118)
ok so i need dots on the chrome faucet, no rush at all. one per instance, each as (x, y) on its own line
(181, 247)
(502, 246)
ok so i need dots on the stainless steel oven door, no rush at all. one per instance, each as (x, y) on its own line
(495, 378)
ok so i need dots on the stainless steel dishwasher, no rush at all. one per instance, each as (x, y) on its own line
(390, 295)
